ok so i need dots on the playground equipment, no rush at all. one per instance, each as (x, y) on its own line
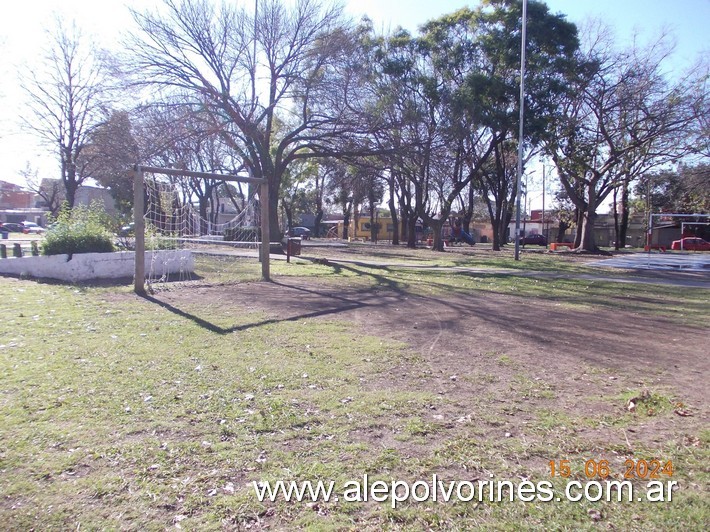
(458, 235)
(462, 237)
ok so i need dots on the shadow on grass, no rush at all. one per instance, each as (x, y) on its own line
(393, 287)
(330, 303)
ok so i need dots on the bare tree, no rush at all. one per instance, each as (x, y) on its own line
(274, 81)
(622, 119)
(66, 101)
(48, 190)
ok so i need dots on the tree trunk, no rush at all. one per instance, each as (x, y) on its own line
(501, 232)
(586, 236)
(274, 229)
(495, 223)
(202, 206)
(436, 226)
(507, 216)
(373, 223)
(346, 225)
(395, 220)
(356, 219)
(70, 188)
(617, 228)
(319, 217)
(406, 216)
(288, 211)
(624, 226)
(412, 232)
(563, 226)
(579, 213)
(468, 214)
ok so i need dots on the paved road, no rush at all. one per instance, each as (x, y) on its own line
(698, 261)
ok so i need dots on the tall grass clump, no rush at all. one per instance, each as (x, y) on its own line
(79, 230)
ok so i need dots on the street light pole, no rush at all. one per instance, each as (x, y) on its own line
(520, 130)
(544, 232)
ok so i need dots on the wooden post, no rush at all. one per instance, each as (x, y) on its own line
(265, 236)
(139, 230)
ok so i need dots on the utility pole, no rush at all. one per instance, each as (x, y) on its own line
(520, 131)
(544, 232)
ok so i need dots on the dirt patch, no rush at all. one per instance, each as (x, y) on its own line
(489, 353)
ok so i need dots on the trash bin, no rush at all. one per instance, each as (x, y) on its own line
(5, 235)
(294, 246)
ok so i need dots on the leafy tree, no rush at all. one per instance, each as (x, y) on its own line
(684, 190)
(296, 196)
(621, 119)
(110, 153)
(451, 93)
(492, 93)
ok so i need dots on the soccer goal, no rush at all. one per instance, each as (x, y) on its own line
(693, 219)
(169, 214)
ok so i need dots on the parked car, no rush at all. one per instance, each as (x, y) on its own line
(303, 232)
(127, 230)
(535, 239)
(691, 243)
(32, 228)
(12, 227)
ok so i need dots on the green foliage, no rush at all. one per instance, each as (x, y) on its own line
(155, 239)
(112, 150)
(684, 190)
(79, 230)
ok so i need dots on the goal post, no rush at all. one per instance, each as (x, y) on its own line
(139, 211)
(139, 231)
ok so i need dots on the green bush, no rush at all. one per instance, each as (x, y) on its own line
(79, 230)
(155, 240)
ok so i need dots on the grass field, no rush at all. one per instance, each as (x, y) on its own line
(122, 412)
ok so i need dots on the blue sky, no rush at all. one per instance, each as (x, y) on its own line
(22, 38)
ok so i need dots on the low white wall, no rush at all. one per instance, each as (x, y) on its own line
(87, 266)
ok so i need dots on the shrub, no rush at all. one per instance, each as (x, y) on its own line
(79, 230)
(155, 240)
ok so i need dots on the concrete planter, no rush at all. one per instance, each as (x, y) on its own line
(88, 266)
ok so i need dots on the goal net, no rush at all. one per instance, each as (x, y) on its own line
(211, 227)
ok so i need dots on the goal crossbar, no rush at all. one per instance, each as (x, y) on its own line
(139, 221)
(204, 175)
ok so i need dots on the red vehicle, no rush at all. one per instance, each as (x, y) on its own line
(691, 243)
